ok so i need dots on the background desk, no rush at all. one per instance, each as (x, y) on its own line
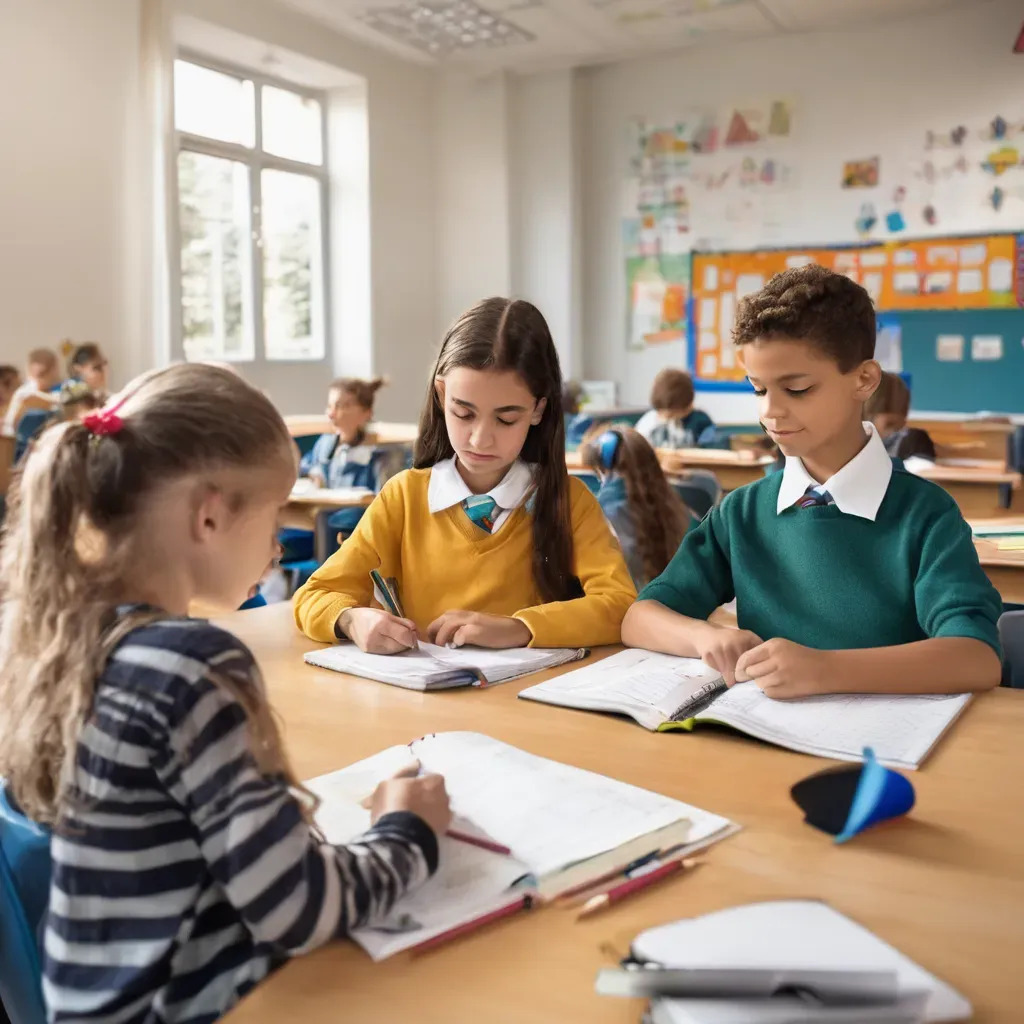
(733, 469)
(383, 433)
(978, 491)
(302, 509)
(946, 886)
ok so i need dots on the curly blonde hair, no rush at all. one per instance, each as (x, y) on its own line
(68, 540)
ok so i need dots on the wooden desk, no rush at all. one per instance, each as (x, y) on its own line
(303, 508)
(383, 433)
(946, 886)
(733, 468)
(985, 439)
(977, 490)
(1004, 568)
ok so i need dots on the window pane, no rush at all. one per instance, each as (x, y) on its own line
(216, 258)
(292, 126)
(293, 273)
(213, 104)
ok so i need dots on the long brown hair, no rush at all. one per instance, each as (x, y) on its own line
(503, 335)
(659, 515)
(69, 538)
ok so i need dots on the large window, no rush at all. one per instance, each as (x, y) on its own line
(251, 216)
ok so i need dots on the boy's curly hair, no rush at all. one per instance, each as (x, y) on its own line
(815, 305)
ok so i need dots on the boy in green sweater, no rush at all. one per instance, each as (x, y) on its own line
(850, 574)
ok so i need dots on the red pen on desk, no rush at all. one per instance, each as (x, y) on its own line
(484, 844)
(632, 885)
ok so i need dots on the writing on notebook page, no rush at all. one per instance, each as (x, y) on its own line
(549, 814)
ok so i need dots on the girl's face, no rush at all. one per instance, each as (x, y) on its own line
(488, 414)
(347, 416)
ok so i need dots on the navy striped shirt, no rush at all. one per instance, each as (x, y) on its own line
(182, 875)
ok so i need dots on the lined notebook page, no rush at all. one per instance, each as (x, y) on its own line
(549, 814)
(901, 728)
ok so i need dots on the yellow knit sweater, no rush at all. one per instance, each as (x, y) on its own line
(444, 562)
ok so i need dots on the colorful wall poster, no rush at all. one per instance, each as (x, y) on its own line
(861, 173)
(657, 290)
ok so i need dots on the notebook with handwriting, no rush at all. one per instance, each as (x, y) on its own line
(429, 667)
(663, 693)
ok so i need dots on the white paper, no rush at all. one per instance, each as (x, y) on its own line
(873, 286)
(747, 284)
(1000, 276)
(711, 278)
(706, 312)
(708, 365)
(793, 262)
(904, 258)
(969, 282)
(942, 254)
(874, 259)
(938, 281)
(907, 281)
(648, 303)
(727, 354)
(972, 255)
(986, 347)
(707, 340)
(949, 348)
(726, 315)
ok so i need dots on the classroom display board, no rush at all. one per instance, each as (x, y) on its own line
(966, 273)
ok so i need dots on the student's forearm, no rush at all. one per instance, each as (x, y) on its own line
(939, 665)
(654, 627)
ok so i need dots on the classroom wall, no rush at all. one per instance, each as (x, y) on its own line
(862, 92)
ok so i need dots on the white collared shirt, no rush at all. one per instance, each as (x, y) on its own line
(857, 489)
(447, 488)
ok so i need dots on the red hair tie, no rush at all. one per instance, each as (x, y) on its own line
(104, 422)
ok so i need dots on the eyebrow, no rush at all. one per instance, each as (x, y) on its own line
(504, 408)
(785, 377)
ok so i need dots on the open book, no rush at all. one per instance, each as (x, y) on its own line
(429, 667)
(664, 693)
(563, 825)
(790, 938)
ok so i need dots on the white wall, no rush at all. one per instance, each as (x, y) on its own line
(873, 90)
(68, 70)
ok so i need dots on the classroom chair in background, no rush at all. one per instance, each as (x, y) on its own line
(28, 426)
(700, 491)
(24, 893)
(1011, 636)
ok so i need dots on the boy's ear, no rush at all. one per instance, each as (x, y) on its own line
(868, 377)
(538, 411)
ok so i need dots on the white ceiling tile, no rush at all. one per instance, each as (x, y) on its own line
(811, 15)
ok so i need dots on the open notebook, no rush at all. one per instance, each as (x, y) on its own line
(562, 824)
(790, 936)
(664, 693)
(429, 667)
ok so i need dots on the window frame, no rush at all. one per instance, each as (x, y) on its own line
(255, 160)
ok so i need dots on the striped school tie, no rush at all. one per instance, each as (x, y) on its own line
(482, 509)
(812, 497)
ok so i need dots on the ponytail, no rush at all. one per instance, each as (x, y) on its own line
(363, 391)
(660, 517)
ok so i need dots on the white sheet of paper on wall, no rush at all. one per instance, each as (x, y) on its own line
(987, 347)
(970, 282)
(942, 255)
(904, 258)
(708, 341)
(747, 284)
(727, 354)
(938, 282)
(908, 282)
(711, 278)
(1000, 276)
(972, 255)
(949, 348)
(874, 259)
(707, 312)
(726, 315)
(708, 365)
(873, 286)
(792, 262)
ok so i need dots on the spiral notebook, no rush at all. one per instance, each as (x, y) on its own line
(429, 667)
(664, 693)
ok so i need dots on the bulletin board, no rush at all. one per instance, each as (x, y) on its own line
(982, 272)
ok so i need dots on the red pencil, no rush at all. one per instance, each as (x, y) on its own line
(484, 844)
(523, 902)
(632, 885)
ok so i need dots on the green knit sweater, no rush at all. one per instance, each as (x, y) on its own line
(832, 581)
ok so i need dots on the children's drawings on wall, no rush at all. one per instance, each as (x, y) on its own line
(861, 173)
(657, 291)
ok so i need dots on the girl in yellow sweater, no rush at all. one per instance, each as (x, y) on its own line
(490, 540)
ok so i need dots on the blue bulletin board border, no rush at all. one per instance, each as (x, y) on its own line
(885, 317)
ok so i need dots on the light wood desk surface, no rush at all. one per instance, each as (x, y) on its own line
(982, 438)
(733, 468)
(946, 886)
(383, 433)
(303, 507)
(976, 489)
(1004, 568)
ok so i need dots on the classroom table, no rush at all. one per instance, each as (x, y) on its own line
(1004, 568)
(383, 433)
(946, 885)
(733, 468)
(978, 490)
(985, 439)
(306, 504)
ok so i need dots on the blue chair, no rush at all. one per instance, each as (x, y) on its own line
(24, 894)
(256, 601)
(30, 424)
(699, 490)
(1011, 636)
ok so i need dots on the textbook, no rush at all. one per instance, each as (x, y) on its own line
(664, 693)
(554, 824)
(429, 667)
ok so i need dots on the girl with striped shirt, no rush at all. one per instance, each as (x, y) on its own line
(185, 863)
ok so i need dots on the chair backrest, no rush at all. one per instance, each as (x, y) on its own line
(28, 426)
(1011, 636)
(24, 893)
(700, 491)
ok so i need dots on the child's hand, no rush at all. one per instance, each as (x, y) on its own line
(783, 669)
(459, 628)
(316, 475)
(423, 795)
(721, 648)
(376, 631)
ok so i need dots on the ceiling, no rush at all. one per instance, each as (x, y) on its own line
(530, 35)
